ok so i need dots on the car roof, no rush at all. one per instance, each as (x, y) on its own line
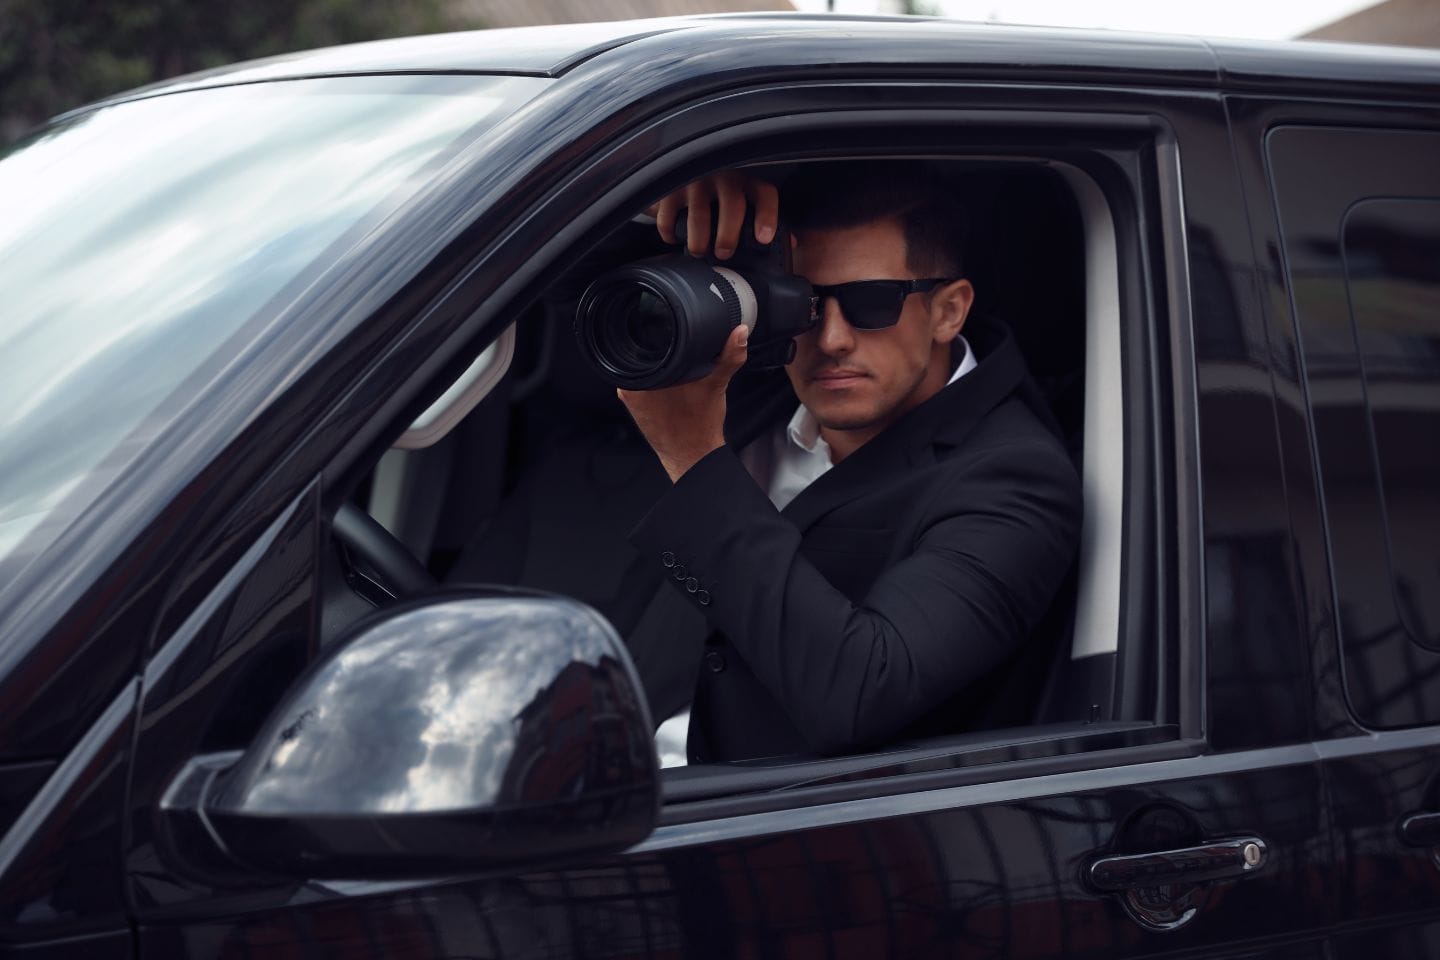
(836, 41)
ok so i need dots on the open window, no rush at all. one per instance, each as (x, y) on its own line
(540, 483)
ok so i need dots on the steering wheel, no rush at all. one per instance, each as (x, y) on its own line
(380, 561)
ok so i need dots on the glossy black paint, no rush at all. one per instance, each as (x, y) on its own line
(214, 679)
(1378, 779)
(1420, 830)
(961, 879)
(452, 734)
(58, 860)
(18, 783)
(941, 760)
(218, 590)
(979, 51)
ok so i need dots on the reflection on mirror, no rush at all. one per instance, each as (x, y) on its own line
(445, 734)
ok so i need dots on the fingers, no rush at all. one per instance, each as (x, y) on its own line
(766, 197)
(665, 213)
(732, 193)
(685, 423)
(697, 217)
(731, 190)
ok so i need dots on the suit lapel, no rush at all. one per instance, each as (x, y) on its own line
(863, 470)
(913, 441)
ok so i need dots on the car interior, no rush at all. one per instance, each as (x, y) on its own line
(528, 472)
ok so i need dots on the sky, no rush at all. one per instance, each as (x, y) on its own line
(1262, 20)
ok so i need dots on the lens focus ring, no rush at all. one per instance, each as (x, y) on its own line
(661, 322)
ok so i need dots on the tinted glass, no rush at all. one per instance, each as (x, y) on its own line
(1392, 267)
(1360, 213)
(138, 241)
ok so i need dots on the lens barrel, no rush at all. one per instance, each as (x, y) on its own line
(661, 322)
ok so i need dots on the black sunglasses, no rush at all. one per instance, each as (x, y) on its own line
(872, 304)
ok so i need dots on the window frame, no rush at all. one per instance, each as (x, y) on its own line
(1160, 661)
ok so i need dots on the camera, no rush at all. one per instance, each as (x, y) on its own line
(663, 321)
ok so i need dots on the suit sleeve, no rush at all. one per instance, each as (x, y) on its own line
(996, 540)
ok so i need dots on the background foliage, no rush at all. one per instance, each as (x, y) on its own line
(59, 54)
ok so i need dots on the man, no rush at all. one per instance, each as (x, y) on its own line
(887, 553)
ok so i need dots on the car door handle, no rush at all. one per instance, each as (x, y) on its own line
(1420, 830)
(1208, 861)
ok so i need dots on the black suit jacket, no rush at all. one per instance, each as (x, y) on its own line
(889, 596)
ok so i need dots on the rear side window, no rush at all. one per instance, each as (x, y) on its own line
(1392, 272)
(1360, 219)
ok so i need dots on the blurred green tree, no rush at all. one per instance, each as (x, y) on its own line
(59, 54)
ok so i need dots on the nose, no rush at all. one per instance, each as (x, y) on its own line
(834, 337)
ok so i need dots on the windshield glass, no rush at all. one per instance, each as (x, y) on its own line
(137, 239)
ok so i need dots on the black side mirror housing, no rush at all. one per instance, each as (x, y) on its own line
(458, 734)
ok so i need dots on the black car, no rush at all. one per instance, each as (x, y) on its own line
(308, 505)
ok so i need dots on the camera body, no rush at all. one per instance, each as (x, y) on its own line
(663, 321)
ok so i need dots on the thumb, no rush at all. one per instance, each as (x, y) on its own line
(732, 358)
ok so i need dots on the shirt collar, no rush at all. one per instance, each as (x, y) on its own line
(804, 431)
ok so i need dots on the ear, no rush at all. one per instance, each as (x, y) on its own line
(949, 306)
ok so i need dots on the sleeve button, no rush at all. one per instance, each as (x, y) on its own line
(679, 572)
(692, 585)
(667, 558)
(715, 661)
(703, 598)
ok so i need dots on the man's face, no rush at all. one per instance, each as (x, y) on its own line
(859, 381)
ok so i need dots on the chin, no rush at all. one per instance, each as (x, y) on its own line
(844, 416)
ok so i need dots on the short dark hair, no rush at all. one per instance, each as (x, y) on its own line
(843, 194)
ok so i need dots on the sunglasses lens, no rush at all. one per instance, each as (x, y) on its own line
(871, 305)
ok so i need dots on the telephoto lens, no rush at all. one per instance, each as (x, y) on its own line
(661, 322)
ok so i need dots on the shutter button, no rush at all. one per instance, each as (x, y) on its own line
(715, 660)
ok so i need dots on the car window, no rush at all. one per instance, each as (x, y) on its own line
(1392, 272)
(1362, 236)
(561, 478)
(140, 241)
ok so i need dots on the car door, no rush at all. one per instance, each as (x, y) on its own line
(1182, 810)
(1353, 233)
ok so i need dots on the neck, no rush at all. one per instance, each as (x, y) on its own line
(842, 443)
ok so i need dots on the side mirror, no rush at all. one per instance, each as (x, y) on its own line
(457, 734)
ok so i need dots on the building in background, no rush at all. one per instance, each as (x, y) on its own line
(524, 13)
(1410, 23)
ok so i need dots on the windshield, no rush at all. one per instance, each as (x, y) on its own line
(136, 240)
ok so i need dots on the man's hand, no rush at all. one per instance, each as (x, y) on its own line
(733, 192)
(684, 423)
